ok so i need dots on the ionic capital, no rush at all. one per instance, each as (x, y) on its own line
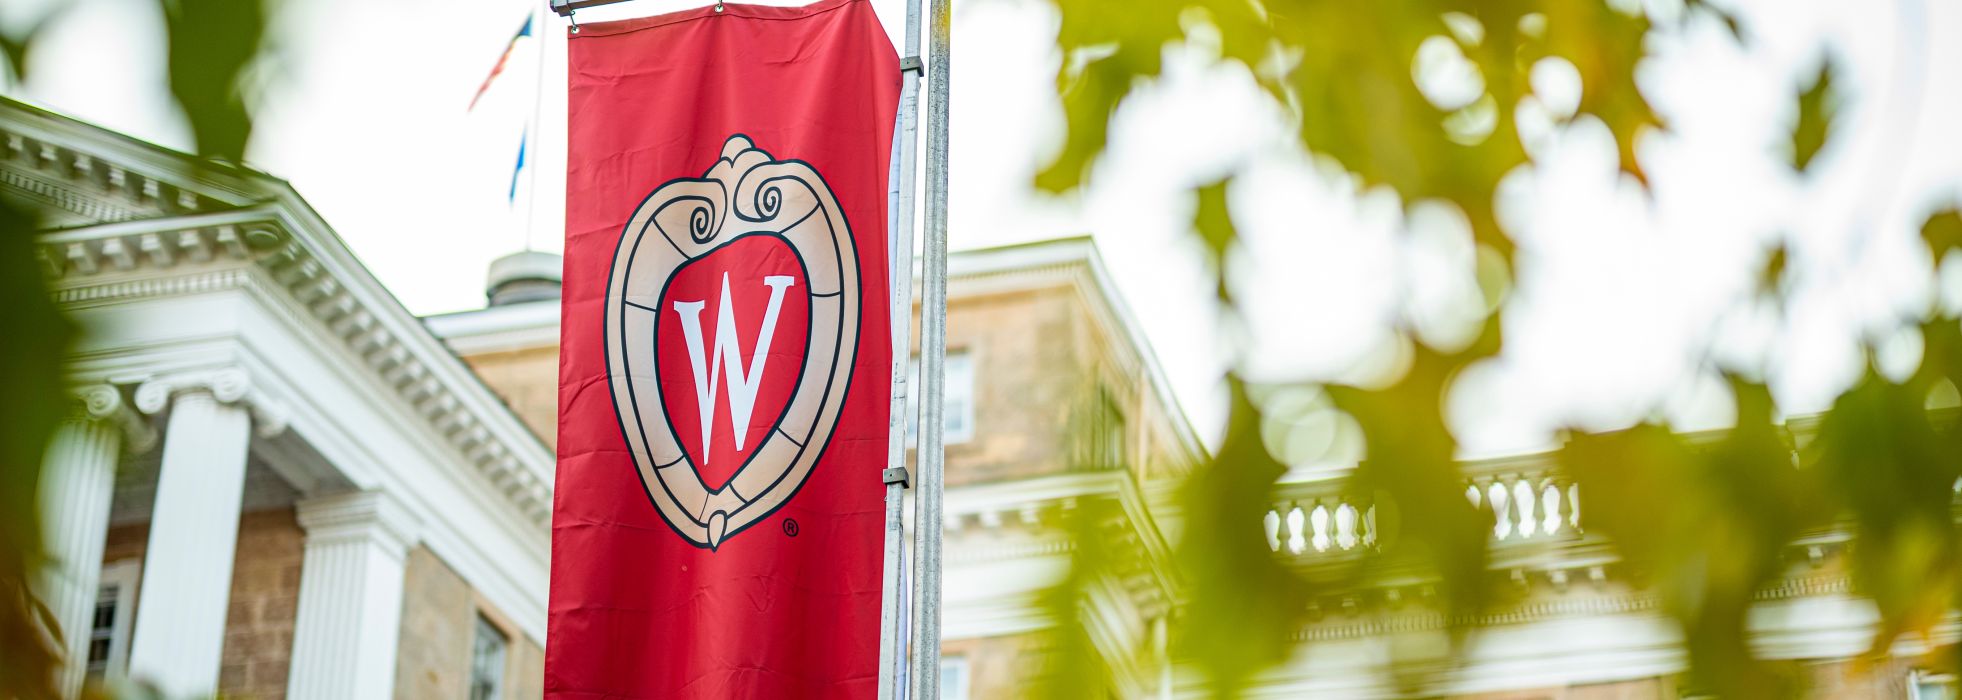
(103, 403)
(230, 386)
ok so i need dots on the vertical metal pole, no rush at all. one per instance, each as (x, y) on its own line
(925, 674)
(536, 132)
(892, 610)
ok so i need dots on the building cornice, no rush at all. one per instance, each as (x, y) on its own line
(63, 162)
(322, 284)
(523, 326)
(1040, 506)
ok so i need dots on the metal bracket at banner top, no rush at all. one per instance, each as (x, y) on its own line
(912, 64)
(565, 8)
(899, 475)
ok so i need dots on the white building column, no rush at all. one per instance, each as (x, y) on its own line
(350, 614)
(78, 480)
(187, 566)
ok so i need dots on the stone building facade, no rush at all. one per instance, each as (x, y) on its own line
(274, 482)
(278, 483)
(1052, 400)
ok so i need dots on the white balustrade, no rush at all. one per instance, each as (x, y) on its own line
(1525, 507)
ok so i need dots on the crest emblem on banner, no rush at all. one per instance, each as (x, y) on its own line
(732, 315)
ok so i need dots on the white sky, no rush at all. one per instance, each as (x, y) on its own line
(1617, 291)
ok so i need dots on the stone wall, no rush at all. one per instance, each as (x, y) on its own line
(1038, 359)
(439, 625)
(265, 598)
(524, 659)
(528, 381)
(1025, 374)
(433, 656)
(1000, 667)
(1041, 362)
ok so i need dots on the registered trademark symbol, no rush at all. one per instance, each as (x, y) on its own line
(789, 527)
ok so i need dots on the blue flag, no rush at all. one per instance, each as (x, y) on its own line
(522, 138)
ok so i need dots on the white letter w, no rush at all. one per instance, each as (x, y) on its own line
(742, 381)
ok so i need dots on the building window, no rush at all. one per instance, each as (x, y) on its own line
(1096, 431)
(1111, 434)
(487, 662)
(953, 678)
(115, 611)
(957, 421)
(1932, 686)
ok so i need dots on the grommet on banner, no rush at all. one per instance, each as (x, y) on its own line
(574, 20)
(718, 8)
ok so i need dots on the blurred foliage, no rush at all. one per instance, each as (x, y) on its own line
(30, 369)
(212, 48)
(1239, 633)
(213, 44)
(1073, 667)
(1734, 506)
(1428, 98)
(1815, 115)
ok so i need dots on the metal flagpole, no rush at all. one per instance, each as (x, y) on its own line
(925, 674)
(892, 604)
(537, 22)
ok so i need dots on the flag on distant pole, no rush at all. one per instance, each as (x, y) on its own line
(725, 357)
(498, 68)
(515, 172)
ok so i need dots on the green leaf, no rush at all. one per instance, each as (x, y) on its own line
(1107, 49)
(1942, 232)
(1073, 667)
(1896, 476)
(1771, 279)
(1729, 19)
(36, 399)
(1244, 605)
(1412, 463)
(1816, 108)
(1215, 227)
(1605, 46)
(212, 43)
(15, 46)
(1707, 524)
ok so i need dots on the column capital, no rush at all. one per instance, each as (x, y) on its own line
(226, 385)
(103, 403)
(100, 401)
(360, 515)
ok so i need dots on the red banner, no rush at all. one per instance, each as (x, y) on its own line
(725, 358)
